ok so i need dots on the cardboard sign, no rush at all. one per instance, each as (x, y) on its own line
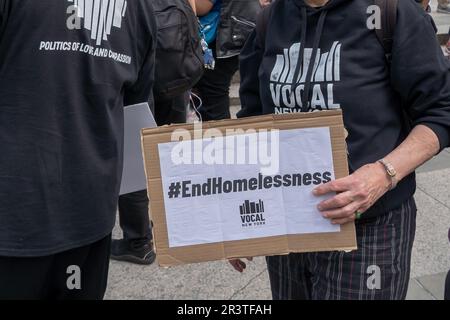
(239, 188)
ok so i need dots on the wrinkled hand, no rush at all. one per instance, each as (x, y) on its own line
(355, 193)
(239, 265)
(265, 2)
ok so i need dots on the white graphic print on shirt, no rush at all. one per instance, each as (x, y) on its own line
(326, 72)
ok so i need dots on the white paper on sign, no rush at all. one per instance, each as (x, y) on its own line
(136, 117)
(216, 202)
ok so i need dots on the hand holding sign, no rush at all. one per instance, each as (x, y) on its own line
(356, 193)
(239, 265)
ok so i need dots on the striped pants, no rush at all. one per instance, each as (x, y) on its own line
(379, 269)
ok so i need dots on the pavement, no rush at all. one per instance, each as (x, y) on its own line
(217, 280)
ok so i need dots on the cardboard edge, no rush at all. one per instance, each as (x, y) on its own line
(167, 260)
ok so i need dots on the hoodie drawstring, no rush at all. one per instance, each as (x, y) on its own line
(317, 36)
(301, 52)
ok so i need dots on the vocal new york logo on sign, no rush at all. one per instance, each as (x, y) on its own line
(252, 213)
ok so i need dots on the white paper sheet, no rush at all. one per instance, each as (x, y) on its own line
(136, 117)
(274, 211)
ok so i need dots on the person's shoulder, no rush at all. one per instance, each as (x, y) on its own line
(143, 12)
(411, 13)
(142, 6)
(411, 7)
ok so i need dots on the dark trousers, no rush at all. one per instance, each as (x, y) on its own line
(133, 218)
(378, 270)
(133, 207)
(77, 274)
(214, 89)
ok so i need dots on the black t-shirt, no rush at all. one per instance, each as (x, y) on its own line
(66, 71)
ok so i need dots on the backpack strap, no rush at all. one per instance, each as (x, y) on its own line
(262, 20)
(388, 23)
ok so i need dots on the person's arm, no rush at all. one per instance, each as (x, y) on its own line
(203, 7)
(265, 3)
(192, 3)
(360, 191)
(425, 4)
(142, 89)
(421, 75)
(249, 63)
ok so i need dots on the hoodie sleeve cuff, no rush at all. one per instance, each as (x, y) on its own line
(442, 132)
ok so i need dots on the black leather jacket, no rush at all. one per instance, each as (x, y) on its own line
(237, 21)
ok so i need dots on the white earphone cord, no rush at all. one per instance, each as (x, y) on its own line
(194, 106)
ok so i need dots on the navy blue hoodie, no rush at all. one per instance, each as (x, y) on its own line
(351, 73)
(66, 70)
